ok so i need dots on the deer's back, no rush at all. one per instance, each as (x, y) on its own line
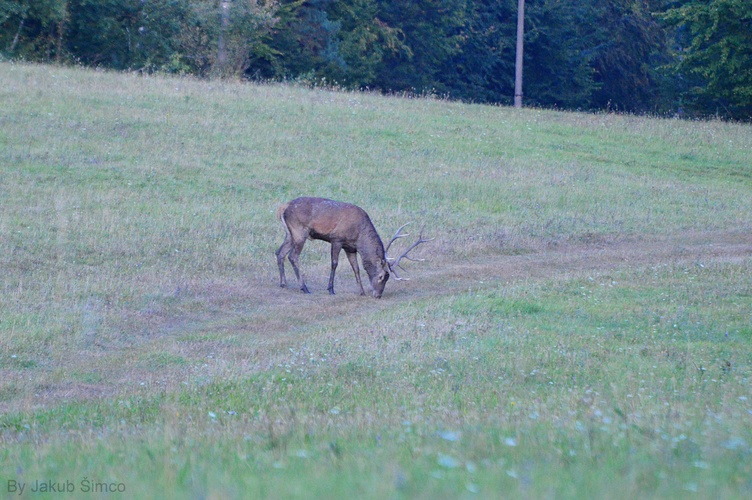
(327, 219)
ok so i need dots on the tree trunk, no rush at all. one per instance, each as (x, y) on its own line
(60, 34)
(18, 34)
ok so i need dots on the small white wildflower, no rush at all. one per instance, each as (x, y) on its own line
(450, 436)
(448, 461)
(735, 443)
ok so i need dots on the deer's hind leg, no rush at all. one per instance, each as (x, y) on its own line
(296, 244)
(281, 253)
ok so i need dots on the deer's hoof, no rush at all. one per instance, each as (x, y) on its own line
(304, 289)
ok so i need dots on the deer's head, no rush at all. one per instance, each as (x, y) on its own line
(379, 279)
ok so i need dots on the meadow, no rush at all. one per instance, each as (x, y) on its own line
(581, 326)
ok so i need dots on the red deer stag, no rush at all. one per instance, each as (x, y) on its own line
(347, 227)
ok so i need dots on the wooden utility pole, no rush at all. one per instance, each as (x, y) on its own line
(518, 60)
(221, 43)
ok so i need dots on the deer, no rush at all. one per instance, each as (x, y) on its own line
(346, 227)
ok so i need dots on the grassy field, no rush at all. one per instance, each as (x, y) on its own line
(581, 327)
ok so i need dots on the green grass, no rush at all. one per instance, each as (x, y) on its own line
(580, 328)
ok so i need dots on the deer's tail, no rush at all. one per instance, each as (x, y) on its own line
(281, 217)
(281, 212)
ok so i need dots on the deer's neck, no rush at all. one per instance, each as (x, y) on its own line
(371, 251)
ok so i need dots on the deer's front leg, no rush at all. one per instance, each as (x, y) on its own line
(353, 258)
(336, 249)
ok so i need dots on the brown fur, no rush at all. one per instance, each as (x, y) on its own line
(345, 226)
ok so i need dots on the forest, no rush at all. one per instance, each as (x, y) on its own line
(687, 58)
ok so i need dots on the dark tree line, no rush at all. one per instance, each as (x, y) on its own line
(644, 56)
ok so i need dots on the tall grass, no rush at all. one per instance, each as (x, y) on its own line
(581, 325)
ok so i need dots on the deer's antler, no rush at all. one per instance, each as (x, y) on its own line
(396, 236)
(395, 263)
